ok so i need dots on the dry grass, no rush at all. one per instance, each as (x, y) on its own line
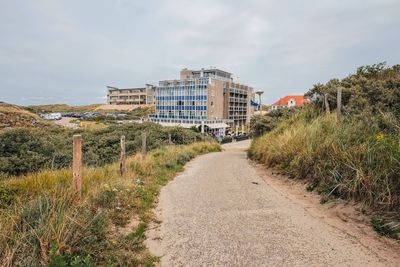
(92, 125)
(343, 159)
(7, 108)
(14, 116)
(42, 224)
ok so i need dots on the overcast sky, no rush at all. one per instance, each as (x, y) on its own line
(69, 51)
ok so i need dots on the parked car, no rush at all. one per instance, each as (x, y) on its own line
(52, 116)
(241, 137)
(226, 139)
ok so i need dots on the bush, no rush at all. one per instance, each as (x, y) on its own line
(371, 91)
(29, 150)
(261, 124)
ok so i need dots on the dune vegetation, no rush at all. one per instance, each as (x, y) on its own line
(15, 116)
(352, 156)
(42, 223)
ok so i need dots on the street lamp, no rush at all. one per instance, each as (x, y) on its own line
(259, 93)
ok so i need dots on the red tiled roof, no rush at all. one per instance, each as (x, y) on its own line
(299, 99)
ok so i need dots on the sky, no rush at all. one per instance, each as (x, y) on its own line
(56, 51)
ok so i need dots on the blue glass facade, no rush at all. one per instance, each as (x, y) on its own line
(182, 99)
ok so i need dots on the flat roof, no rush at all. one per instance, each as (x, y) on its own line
(111, 88)
(212, 70)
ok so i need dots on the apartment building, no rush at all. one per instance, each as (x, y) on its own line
(206, 96)
(131, 96)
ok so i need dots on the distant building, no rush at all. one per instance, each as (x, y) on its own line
(290, 101)
(131, 96)
(207, 96)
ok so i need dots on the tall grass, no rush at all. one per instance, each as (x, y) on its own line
(347, 158)
(42, 224)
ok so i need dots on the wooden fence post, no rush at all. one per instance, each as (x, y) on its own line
(339, 102)
(144, 144)
(169, 139)
(327, 103)
(77, 165)
(122, 158)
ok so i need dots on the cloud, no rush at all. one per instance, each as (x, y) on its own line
(71, 50)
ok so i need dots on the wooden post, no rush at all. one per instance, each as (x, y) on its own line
(169, 138)
(327, 104)
(144, 145)
(339, 102)
(77, 165)
(122, 158)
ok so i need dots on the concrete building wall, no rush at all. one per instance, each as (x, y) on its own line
(238, 109)
(215, 103)
(186, 74)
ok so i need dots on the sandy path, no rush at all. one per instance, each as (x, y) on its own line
(221, 212)
(66, 122)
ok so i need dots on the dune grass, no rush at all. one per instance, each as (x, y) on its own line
(347, 159)
(41, 223)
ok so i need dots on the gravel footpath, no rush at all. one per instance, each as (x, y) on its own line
(220, 212)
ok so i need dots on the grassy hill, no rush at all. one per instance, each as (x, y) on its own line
(354, 156)
(15, 116)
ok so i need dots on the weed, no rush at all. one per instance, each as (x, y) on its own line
(8, 195)
(323, 200)
(136, 238)
(311, 187)
(390, 229)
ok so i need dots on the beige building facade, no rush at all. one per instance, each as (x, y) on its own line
(131, 96)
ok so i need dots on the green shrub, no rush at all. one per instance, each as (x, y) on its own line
(261, 124)
(371, 90)
(29, 150)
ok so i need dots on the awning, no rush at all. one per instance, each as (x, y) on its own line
(175, 124)
(217, 125)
